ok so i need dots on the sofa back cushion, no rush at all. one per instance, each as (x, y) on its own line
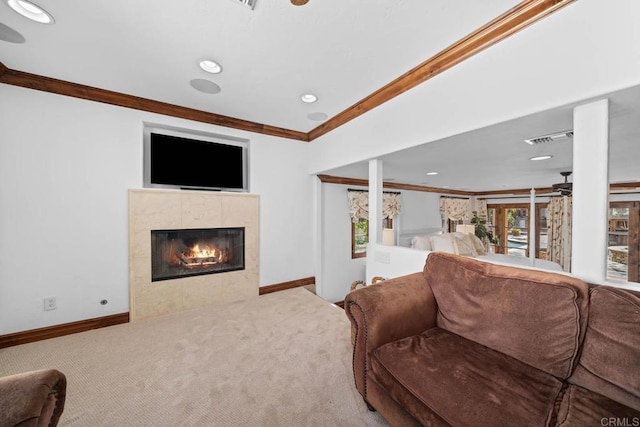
(535, 316)
(610, 361)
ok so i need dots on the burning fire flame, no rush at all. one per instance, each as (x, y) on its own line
(205, 252)
(202, 256)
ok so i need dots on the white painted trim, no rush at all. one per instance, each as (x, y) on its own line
(317, 235)
(375, 201)
(590, 191)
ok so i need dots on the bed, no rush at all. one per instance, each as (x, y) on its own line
(458, 243)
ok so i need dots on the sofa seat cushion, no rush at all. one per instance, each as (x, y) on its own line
(581, 407)
(463, 382)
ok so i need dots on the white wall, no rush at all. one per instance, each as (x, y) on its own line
(279, 175)
(338, 270)
(420, 210)
(390, 261)
(65, 168)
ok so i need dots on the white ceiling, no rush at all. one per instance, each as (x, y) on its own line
(340, 50)
(497, 158)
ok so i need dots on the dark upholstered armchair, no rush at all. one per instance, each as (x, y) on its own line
(34, 398)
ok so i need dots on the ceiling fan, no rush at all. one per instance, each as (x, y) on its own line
(299, 2)
(565, 188)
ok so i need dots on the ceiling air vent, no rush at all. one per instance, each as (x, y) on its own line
(558, 136)
(248, 3)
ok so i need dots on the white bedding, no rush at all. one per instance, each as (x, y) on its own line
(427, 242)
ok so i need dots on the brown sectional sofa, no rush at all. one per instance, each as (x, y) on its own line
(468, 343)
(32, 399)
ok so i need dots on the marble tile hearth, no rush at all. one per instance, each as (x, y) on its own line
(152, 209)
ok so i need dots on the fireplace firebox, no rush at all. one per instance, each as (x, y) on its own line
(194, 252)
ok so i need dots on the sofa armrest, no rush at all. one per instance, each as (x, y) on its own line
(34, 398)
(382, 313)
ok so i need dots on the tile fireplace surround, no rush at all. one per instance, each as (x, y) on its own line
(180, 209)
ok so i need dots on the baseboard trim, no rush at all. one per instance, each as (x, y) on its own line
(39, 334)
(286, 285)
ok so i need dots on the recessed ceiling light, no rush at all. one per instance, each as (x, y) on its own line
(432, 173)
(309, 98)
(211, 66)
(31, 11)
(545, 157)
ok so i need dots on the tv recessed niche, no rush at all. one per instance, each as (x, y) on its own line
(183, 160)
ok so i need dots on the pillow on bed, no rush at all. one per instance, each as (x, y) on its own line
(442, 244)
(477, 243)
(463, 245)
(421, 242)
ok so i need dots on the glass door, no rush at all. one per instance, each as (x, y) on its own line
(510, 223)
(623, 243)
(542, 231)
(517, 231)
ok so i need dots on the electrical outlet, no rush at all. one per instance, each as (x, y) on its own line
(50, 303)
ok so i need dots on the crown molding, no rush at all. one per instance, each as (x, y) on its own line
(622, 185)
(330, 179)
(539, 191)
(412, 187)
(76, 90)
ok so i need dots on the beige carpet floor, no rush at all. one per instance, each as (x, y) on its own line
(282, 359)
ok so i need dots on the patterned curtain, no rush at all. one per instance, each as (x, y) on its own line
(480, 206)
(455, 209)
(359, 204)
(559, 231)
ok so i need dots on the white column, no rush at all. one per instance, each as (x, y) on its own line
(375, 201)
(590, 191)
(532, 227)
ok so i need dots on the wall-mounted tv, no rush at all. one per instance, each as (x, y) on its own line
(174, 160)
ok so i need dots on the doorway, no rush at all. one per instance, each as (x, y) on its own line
(510, 224)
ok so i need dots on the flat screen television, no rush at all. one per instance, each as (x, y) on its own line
(173, 161)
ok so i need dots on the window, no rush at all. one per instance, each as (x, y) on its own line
(360, 236)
